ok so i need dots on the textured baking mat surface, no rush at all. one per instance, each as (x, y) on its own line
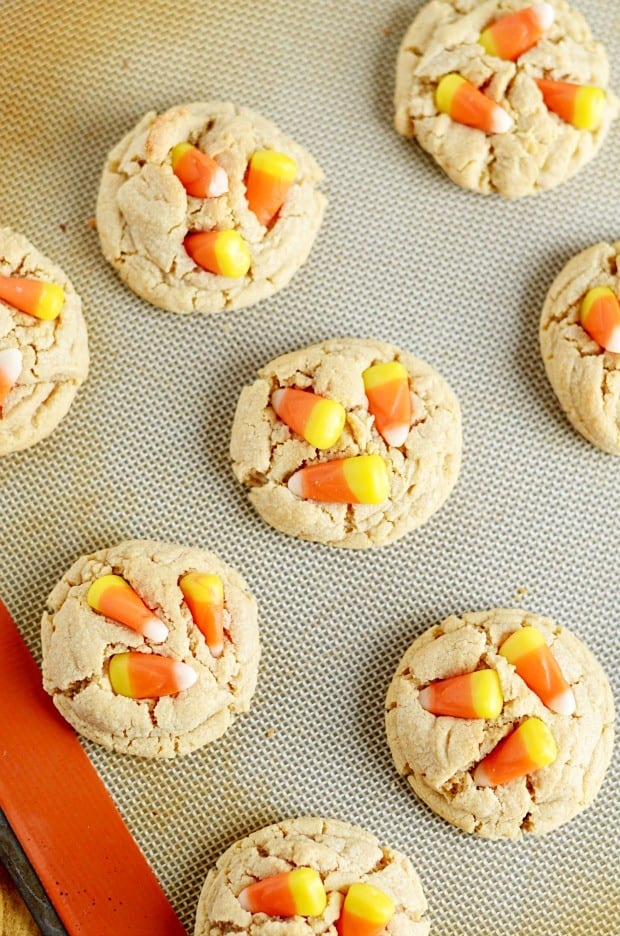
(403, 255)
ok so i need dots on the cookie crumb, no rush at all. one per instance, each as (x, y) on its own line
(92, 224)
(63, 227)
(271, 733)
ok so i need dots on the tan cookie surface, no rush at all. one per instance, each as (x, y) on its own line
(437, 753)
(341, 853)
(585, 377)
(78, 642)
(144, 212)
(54, 353)
(541, 151)
(265, 452)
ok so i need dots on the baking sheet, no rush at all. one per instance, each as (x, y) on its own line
(403, 255)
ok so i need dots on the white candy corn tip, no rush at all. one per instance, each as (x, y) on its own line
(480, 777)
(424, 698)
(564, 704)
(295, 484)
(217, 650)
(396, 435)
(243, 900)
(614, 341)
(219, 183)
(186, 676)
(155, 630)
(502, 121)
(11, 362)
(545, 14)
(276, 399)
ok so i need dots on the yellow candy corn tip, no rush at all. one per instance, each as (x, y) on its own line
(274, 163)
(539, 742)
(201, 586)
(51, 301)
(308, 891)
(590, 106)
(383, 373)
(592, 296)
(487, 694)
(369, 903)
(486, 41)
(232, 254)
(118, 673)
(367, 477)
(521, 642)
(177, 152)
(446, 89)
(325, 424)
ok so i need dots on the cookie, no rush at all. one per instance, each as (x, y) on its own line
(43, 361)
(440, 754)
(585, 377)
(144, 212)
(342, 854)
(537, 149)
(87, 670)
(415, 476)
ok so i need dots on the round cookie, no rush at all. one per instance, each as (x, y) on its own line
(438, 753)
(585, 377)
(78, 643)
(50, 356)
(422, 471)
(144, 212)
(341, 853)
(541, 150)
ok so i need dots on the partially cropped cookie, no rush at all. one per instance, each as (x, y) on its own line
(208, 207)
(507, 96)
(349, 442)
(43, 344)
(502, 722)
(311, 876)
(150, 649)
(580, 343)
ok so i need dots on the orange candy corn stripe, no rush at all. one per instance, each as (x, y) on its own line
(583, 106)
(389, 400)
(149, 676)
(198, 172)
(362, 479)
(600, 317)
(534, 662)
(472, 695)
(113, 597)
(461, 101)
(366, 911)
(270, 176)
(292, 893)
(11, 363)
(526, 750)
(222, 252)
(512, 35)
(318, 420)
(43, 300)
(204, 595)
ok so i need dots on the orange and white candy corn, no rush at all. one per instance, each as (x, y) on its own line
(362, 479)
(534, 662)
(461, 101)
(292, 893)
(11, 363)
(198, 172)
(148, 676)
(512, 35)
(222, 252)
(472, 695)
(366, 911)
(113, 597)
(204, 595)
(583, 106)
(270, 176)
(389, 400)
(529, 748)
(43, 300)
(600, 317)
(318, 420)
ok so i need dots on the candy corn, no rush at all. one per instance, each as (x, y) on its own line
(466, 105)
(389, 400)
(359, 480)
(43, 300)
(366, 911)
(197, 171)
(538, 668)
(112, 596)
(204, 595)
(10, 369)
(600, 317)
(318, 420)
(582, 106)
(527, 749)
(270, 176)
(149, 676)
(292, 893)
(473, 695)
(512, 35)
(222, 252)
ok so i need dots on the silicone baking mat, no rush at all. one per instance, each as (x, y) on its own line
(403, 255)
